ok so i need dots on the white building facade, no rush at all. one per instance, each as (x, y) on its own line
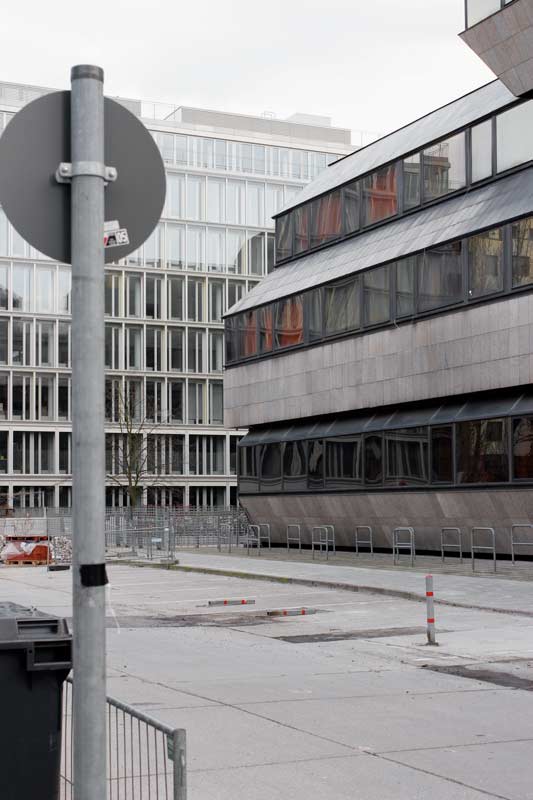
(227, 175)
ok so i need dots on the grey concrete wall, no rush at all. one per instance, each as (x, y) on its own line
(473, 349)
(504, 42)
(427, 512)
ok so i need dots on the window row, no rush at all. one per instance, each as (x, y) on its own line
(486, 264)
(479, 452)
(28, 287)
(201, 249)
(139, 454)
(485, 149)
(191, 299)
(169, 349)
(476, 10)
(220, 154)
(223, 200)
(35, 342)
(143, 401)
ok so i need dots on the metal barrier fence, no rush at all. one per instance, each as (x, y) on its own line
(147, 760)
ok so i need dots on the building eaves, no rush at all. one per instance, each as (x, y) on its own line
(487, 207)
(433, 126)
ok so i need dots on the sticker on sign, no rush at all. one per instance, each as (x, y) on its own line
(116, 238)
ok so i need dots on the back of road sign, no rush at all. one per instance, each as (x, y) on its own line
(33, 145)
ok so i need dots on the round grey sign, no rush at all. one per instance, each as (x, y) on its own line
(33, 145)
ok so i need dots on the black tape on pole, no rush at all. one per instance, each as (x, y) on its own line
(93, 575)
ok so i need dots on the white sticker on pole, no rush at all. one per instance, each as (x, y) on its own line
(111, 225)
(116, 238)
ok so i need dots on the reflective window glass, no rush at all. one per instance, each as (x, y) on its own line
(380, 195)
(476, 10)
(256, 254)
(195, 247)
(514, 140)
(255, 204)
(481, 151)
(4, 286)
(407, 457)
(444, 167)
(341, 302)
(485, 263)
(442, 454)
(376, 296)
(284, 237)
(247, 469)
(175, 244)
(523, 252)
(440, 276)
(289, 322)
(482, 451)
(270, 466)
(373, 460)
(249, 333)
(216, 199)
(343, 462)
(294, 466)
(236, 251)
(301, 228)
(265, 329)
(314, 310)
(315, 464)
(235, 202)
(405, 287)
(411, 181)
(23, 286)
(216, 249)
(351, 207)
(195, 197)
(326, 219)
(273, 202)
(175, 203)
(64, 290)
(523, 448)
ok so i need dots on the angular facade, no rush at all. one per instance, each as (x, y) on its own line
(384, 368)
(227, 174)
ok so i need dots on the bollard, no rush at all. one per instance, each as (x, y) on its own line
(430, 610)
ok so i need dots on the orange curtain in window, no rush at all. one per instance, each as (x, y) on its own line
(249, 334)
(290, 326)
(327, 222)
(266, 323)
(381, 195)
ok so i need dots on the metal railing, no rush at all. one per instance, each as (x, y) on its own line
(516, 542)
(446, 544)
(323, 539)
(403, 539)
(146, 759)
(368, 542)
(477, 547)
(294, 535)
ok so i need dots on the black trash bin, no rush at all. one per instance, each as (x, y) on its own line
(35, 659)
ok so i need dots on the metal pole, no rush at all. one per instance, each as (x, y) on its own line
(430, 610)
(180, 765)
(88, 454)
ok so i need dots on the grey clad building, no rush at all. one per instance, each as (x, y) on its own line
(384, 367)
(227, 174)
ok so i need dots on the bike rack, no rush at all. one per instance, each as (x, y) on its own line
(399, 544)
(322, 536)
(364, 542)
(515, 542)
(480, 548)
(447, 545)
(296, 539)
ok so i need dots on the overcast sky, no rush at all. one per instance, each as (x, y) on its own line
(371, 65)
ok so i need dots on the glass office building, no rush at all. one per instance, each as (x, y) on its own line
(227, 175)
(384, 368)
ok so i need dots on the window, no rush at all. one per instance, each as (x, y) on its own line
(4, 234)
(3, 451)
(133, 405)
(522, 271)
(113, 286)
(4, 287)
(314, 312)
(444, 167)
(236, 193)
(236, 291)
(301, 216)
(380, 195)
(216, 249)
(480, 9)
(216, 403)
(23, 287)
(411, 181)
(175, 243)
(273, 202)
(236, 251)
(133, 296)
(112, 346)
(342, 306)
(248, 469)
(271, 253)
(523, 448)
(233, 442)
(255, 204)
(64, 397)
(200, 152)
(195, 197)
(154, 339)
(63, 344)
(294, 466)
(284, 237)
(442, 454)
(373, 460)
(270, 466)
(351, 207)
(175, 349)
(482, 451)
(21, 400)
(249, 333)
(195, 299)
(265, 317)
(175, 298)
(485, 263)
(195, 404)
(114, 402)
(44, 397)
(175, 401)
(315, 464)
(440, 277)
(376, 296)
(216, 351)
(195, 350)
(514, 143)
(134, 348)
(175, 196)
(64, 291)
(216, 199)
(216, 300)
(44, 344)
(407, 457)
(289, 322)
(4, 339)
(343, 462)
(4, 395)
(326, 218)
(165, 143)
(152, 248)
(21, 345)
(405, 287)
(195, 248)
(154, 400)
(256, 254)
(481, 137)
(153, 298)
(33, 453)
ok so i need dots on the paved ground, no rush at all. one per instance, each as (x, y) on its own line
(344, 703)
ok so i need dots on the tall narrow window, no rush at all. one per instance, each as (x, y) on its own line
(236, 251)
(289, 322)
(482, 451)
(195, 247)
(351, 206)
(405, 287)
(523, 252)
(411, 181)
(440, 276)
(176, 195)
(216, 199)
(216, 249)
(342, 312)
(284, 237)
(444, 167)
(23, 287)
(64, 290)
(175, 349)
(326, 219)
(195, 197)
(485, 258)
(380, 195)
(216, 403)
(256, 254)
(407, 457)
(302, 216)
(376, 296)
(195, 299)
(195, 350)
(175, 246)
(216, 300)
(373, 460)
(175, 401)
(514, 141)
(216, 351)
(481, 138)
(175, 298)
(195, 403)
